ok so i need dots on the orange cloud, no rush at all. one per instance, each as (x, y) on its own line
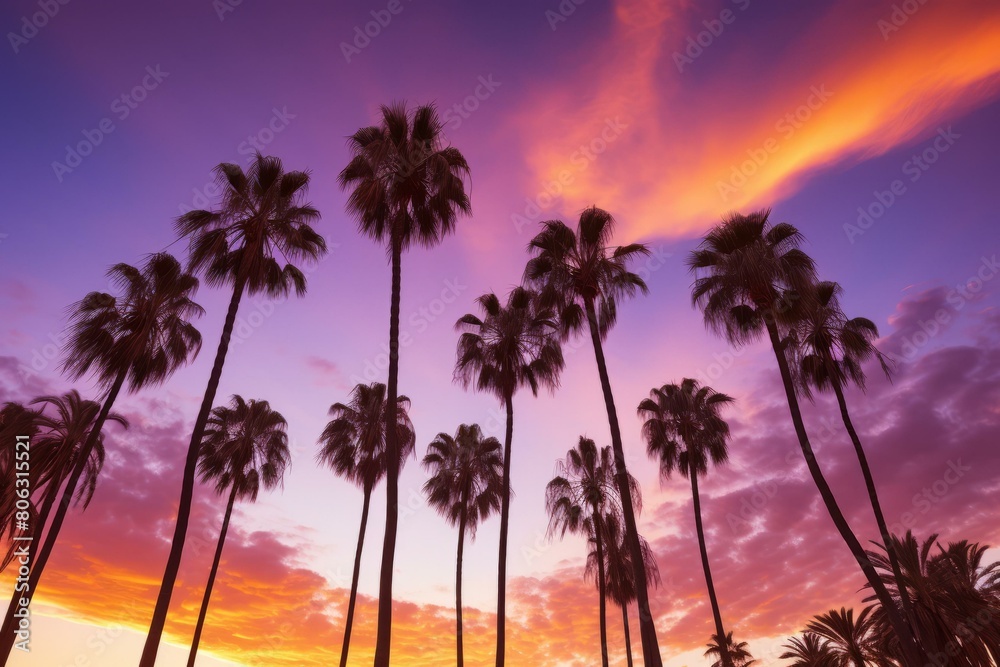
(755, 112)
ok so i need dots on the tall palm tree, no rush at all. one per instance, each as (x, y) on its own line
(261, 217)
(955, 597)
(752, 279)
(831, 351)
(737, 652)
(406, 187)
(582, 275)
(577, 500)
(810, 650)
(353, 446)
(465, 487)
(245, 449)
(852, 641)
(618, 570)
(511, 346)
(131, 341)
(683, 430)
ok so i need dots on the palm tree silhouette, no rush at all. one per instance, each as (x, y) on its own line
(618, 569)
(810, 650)
(261, 217)
(511, 346)
(751, 279)
(851, 641)
(15, 420)
(739, 652)
(955, 597)
(581, 275)
(578, 499)
(353, 446)
(406, 188)
(131, 341)
(245, 448)
(683, 430)
(831, 350)
(465, 487)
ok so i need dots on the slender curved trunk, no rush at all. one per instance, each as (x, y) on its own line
(628, 639)
(912, 655)
(897, 572)
(720, 631)
(383, 641)
(354, 578)
(211, 580)
(601, 586)
(458, 585)
(8, 630)
(187, 487)
(504, 516)
(38, 527)
(647, 629)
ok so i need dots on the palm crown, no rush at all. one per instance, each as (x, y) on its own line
(688, 413)
(578, 271)
(851, 640)
(810, 650)
(739, 652)
(466, 475)
(406, 185)
(245, 448)
(510, 346)
(353, 442)
(261, 219)
(144, 333)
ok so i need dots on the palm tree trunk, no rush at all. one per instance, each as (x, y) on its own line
(720, 631)
(8, 630)
(211, 580)
(383, 641)
(38, 528)
(628, 639)
(912, 656)
(601, 587)
(187, 487)
(458, 587)
(354, 578)
(647, 629)
(897, 572)
(504, 516)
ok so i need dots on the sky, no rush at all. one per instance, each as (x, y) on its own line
(872, 126)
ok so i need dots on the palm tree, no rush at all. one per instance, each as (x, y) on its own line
(739, 653)
(810, 650)
(465, 487)
(511, 346)
(406, 188)
(584, 277)
(683, 430)
(245, 449)
(618, 570)
(131, 341)
(353, 446)
(578, 499)
(15, 421)
(261, 217)
(954, 595)
(851, 641)
(752, 279)
(831, 351)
